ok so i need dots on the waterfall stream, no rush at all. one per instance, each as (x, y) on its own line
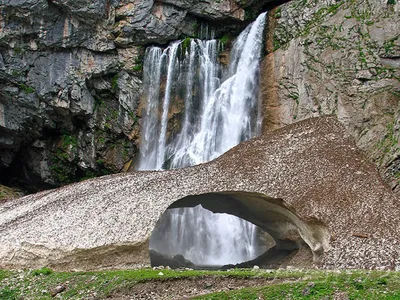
(221, 109)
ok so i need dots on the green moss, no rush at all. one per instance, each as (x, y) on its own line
(185, 44)
(98, 102)
(389, 45)
(226, 39)
(8, 193)
(389, 143)
(137, 68)
(59, 172)
(69, 140)
(114, 82)
(62, 160)
(276, 44)
(9, 294)
(15, 73)
(42, 271)
(17, 50)
(282, 36)
(278, 13)
(114, 114)
(195, 28)
(26, 89)
(391, 2)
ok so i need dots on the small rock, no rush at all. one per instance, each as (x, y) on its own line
(161, 274)
(256, 267)
(341, 296)
(306, 291)
(44, 291)
(58, 290)
(311, 284)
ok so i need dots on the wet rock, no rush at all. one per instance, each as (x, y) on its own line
(178, 261)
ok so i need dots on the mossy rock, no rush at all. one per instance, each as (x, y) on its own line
(7, 193)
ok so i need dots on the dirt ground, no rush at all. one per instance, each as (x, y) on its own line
(188, 288)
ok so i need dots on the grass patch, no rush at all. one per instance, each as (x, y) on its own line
(296, 284)
(26, 89)
(354, 285)
(42, 271)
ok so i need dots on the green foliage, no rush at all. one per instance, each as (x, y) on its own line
(226, 39)
(17, 50)
(59, 172)
(15, 73)
(391, 2)
(138, 67)
(9, 294)
(114, 114)
(61, 159)
(88, 175)
(98, 102)
(114, 82)
(4, 274)
(26, 89)
(389, 45)
(276, 43)
(185, 44)
(69, 140)
(42, 271)
(278, 13)
(195, 27)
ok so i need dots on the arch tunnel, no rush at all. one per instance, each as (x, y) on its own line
(284, 232)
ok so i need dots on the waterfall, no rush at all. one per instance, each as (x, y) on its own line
(221, 109)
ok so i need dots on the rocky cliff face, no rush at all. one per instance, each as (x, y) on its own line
(70, 76)
(341, 58)
(70, 79)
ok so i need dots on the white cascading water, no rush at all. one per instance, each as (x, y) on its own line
(221, 110)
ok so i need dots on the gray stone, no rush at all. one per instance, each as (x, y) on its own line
(328, 57)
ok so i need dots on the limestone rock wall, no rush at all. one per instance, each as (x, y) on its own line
(341, 58)
(70, 80)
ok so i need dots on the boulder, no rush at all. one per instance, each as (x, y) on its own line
(304, 183)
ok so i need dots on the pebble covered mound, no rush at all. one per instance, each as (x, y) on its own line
(313, 167)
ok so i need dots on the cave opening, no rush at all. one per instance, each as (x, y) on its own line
(194, 233)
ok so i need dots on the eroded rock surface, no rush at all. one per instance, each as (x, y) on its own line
(70, 80)
(311, 172)
(341, 58)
